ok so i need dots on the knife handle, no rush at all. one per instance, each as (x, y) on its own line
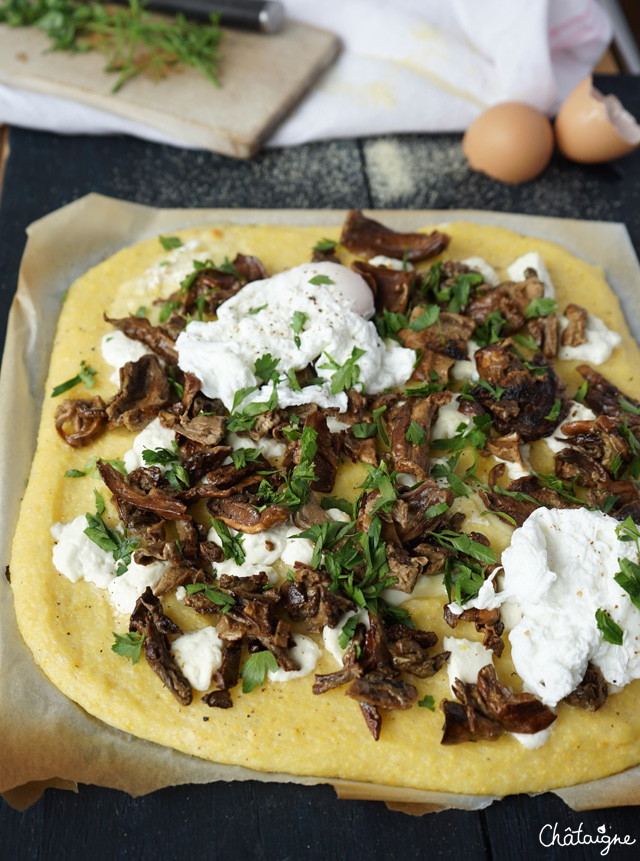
(266, 16)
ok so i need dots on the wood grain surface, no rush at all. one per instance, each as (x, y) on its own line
(262, 78)
(272, 821)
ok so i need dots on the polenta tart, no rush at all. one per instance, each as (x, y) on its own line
(346, 503)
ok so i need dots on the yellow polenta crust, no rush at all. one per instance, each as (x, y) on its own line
(283, 727)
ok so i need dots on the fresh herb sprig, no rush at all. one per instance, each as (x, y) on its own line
(133, 40)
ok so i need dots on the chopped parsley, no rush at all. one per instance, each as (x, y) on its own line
(495, 391)
(325, 245)
(91, 469)
(490, 331)
(128, 645)
(245, 420)
(346, 375)
(220, 599)
(415, 434)
(629, 578)
(85, 375)
(389, 324)
(253, 311)
(109, 539)
(366, 430)
(428, 317)
(167, 310)
(540, 308)
(317, 280)
(611, 631)
(242, 456)
(324, 536)
(297, 483)
(555, 410)
(427, 702)
(380, 479)
(170, 242)
(348, 630)
(255, 670)
(231, 544)
(265, 368)
(299, 319)
(176, 474)
(582, 391)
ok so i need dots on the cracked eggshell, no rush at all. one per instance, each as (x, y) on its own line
(511, 142)
(592, 128)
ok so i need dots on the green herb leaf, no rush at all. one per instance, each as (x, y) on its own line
(611, 632)
(85, 375)
(255, 670)
(389, 324)
(628, 407)
(317, 280)
(490, 331)
(257, 310)
(346, 376)
(324, 245)
(582, 391)
(415, 434)
(426, 319)
(540, 308)
(221, 599)
(348, 630)
(170, 242)
(554, 412)
(435, 510)
(496, 392)
(167, 310)
(527, 341)
(242, 456)
(427, 702)
(128, 645)
(629, 578)
(231, 544)
(265, 368)
(299, 319)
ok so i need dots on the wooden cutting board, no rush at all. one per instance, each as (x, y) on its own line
(262, 78)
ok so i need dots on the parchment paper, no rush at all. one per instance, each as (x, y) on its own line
(47, 740)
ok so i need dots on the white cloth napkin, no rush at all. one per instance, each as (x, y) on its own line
(407, 66)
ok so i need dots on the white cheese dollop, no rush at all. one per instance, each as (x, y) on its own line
(222, 353)
(577, 413)
(465, 369)
(305, 653)
(331, 636)
(269, 446)
(199, 655)
(600, 343)
(467, 658)
(261, 550)
(532, 260)
(117, 350)
(560, 569)
(478, 264)
(78, 557)
(124, 591)
(449, 420)
(154, 436)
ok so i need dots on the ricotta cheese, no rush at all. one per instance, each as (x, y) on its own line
(154, 436)
(449, 420)
(336, 308)
(600, 343)
(532, 260)
(560, 569)
(199, 655)
(305, 653)
(117, 350)
(577, 413)
(465, 369)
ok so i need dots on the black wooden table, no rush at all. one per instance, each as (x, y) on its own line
(266, 821)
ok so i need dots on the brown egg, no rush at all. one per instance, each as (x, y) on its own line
(592, 128)
(511, 142)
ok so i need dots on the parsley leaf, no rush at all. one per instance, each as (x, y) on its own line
(380, 479)
(221, 599)
(323, 245)
(324, 536)
(297, 484)
(490, 331)
(629, 578)
(345, 377)
(257, 310)
(128, 645)
(255, 670)
(427, 702)
(540, 308)
(247, 418)
(299, 319)
(582, 391)
(611, 631)
(109, 539)
(242, 456)
(415, 434)
(628, 407)
(170, 242)
(85, 375)
(317, 280)
(389, 324)
(461, 542)
(428, 317)
(348, 630)
(265, 368)
(231, 544)
(90, 467)
(554, 412)
(496, 391)
(167, 310)
(176, 474)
